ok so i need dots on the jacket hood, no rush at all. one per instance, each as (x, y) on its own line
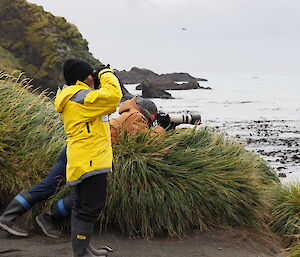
(64, 95)
(129, 105)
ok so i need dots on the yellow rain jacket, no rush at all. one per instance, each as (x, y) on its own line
(85, 115)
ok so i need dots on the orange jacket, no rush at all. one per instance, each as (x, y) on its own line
(132, 120)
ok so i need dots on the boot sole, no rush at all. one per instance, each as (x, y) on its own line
(44, 230)
(13, 232)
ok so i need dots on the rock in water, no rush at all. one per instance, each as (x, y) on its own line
(149, 91)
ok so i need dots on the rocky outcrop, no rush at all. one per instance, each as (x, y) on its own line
(125, 93)
(175, 86)
(137, 75)
(149, 91)
(37, 43)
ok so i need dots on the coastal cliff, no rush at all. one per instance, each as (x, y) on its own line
(36, 42)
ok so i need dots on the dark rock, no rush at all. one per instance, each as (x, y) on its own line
(282, 175)
(174, 86)
(126, 94)
(137, 75)
(149, 91)
(281, 168)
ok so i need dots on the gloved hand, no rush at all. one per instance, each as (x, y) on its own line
(163, 120)
(95, 74)
(102, 67)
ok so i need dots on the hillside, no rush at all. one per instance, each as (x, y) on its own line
(36, 42)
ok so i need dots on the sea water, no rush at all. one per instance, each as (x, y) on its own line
(237, 98)
(244, 105)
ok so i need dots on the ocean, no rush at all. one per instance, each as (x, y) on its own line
(263, 112)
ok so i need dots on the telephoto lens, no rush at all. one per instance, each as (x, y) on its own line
(179, 118)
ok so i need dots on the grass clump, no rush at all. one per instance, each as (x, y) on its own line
(285, 213)
(31, 136)
(295, 248)
(192, 179)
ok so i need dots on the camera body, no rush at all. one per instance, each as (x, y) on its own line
(174, 119)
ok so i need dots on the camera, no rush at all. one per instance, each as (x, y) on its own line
(174, 119)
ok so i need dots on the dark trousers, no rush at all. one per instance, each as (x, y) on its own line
(48, 186)
(91, 197)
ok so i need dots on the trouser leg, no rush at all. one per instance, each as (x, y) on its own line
(47, 187)
(91, 196)
(26, 199)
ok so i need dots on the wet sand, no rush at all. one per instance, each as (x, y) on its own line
(200, 244)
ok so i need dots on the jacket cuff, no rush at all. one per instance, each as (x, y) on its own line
(104, 71)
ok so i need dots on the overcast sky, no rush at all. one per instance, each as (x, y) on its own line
(202, 37)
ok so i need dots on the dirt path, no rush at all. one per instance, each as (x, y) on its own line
(205, 244)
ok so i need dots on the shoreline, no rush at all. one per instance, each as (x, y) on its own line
(277, 141)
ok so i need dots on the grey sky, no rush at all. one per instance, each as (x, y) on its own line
(221, 36)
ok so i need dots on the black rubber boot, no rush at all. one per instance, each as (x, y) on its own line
(81, 232)
(48, 225)
(22, 203)
(49, 222)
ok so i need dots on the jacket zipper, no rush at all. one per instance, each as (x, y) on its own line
(88, 127)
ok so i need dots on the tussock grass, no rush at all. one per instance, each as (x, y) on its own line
(285, 212)
(192, 179)
(31, 135)
(294, 250)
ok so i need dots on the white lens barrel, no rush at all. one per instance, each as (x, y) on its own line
(184, 118)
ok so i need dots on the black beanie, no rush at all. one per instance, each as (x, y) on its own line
(76, 69)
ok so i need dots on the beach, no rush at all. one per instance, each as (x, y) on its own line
(221, 243)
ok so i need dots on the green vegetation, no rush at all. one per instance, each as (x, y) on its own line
(8, 61)
(285, 215)
(31, 136)
(37, 43)
(295, 249)
(192, 179)
(285, 211)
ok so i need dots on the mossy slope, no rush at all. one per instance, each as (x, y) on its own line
(36, 42)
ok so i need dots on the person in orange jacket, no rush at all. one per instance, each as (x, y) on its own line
(136, 114)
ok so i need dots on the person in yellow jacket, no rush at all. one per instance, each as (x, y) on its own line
(136, 114)
(89, 153)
